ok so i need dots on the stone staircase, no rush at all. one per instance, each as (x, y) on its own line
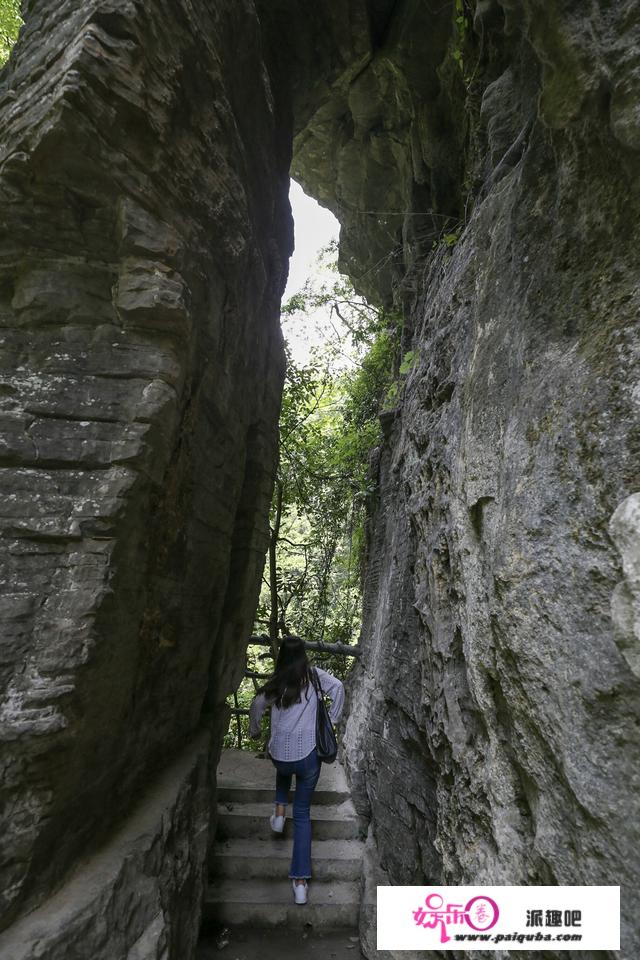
(249, 884)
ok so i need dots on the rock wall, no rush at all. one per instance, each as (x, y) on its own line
(493, 725)
(138, 897)
(146, 232)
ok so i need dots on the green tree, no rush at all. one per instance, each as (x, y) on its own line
(329, 425)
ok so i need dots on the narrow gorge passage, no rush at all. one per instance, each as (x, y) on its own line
(482, 158)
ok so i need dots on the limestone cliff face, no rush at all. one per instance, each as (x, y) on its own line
(492, 726)
(143, 183)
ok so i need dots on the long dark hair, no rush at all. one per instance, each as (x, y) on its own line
(291, 674)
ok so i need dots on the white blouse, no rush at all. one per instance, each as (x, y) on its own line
(293, 729)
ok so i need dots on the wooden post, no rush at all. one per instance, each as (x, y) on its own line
(273, 570)
(239, 722)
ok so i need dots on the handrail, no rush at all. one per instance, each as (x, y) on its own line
(344, 649)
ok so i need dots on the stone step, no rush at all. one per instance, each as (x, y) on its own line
(239, 857)
(271, 943)
(270, 903)
(245, 776)
(241, 793)
(328, 821)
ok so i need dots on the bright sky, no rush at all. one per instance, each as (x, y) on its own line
(315, 227)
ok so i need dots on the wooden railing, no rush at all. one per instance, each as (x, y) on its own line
(344, 649)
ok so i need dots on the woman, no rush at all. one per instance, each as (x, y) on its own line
(292, 745)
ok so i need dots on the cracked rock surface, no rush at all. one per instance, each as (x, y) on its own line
(146, 235)
(493, 726)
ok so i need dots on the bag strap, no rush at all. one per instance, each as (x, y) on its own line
(320, 692)
(315, 681)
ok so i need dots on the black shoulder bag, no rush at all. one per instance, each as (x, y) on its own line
(326, 742)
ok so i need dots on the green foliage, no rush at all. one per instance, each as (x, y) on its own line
(461, 38)
(391, 396)
(461, 29)
(329, 426)
(10, 23)
(448, 239)
(407, 361)
(244, 696)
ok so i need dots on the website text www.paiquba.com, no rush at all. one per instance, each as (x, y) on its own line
(516, 937)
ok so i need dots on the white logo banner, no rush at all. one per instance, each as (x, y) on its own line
(498, 918)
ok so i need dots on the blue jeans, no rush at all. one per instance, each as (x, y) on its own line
(307, 772)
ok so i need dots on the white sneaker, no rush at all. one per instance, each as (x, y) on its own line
(277, 823)
(299, 891)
